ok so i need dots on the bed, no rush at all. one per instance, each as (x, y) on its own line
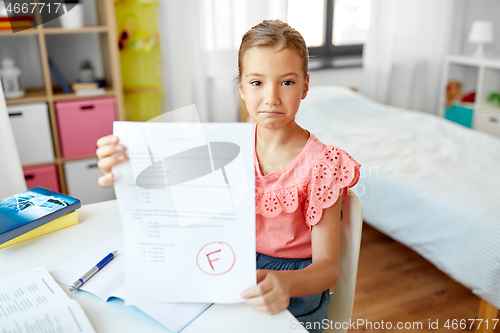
(426, 182)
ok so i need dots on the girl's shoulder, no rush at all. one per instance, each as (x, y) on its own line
(316, 178)
(318, 152)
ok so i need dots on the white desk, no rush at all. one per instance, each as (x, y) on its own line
(98, 223)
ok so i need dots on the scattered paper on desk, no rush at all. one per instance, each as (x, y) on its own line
(109, 282)
(32, 290)
(34, 302)
(68, 318)
(187, 205)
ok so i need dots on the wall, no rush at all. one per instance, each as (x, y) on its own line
(345, 77)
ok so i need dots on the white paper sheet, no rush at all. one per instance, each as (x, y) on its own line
(193, 241)
(109, 282)
(34, 302)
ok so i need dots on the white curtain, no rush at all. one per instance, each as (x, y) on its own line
(405, 49)
(11, 173)
(199, 44)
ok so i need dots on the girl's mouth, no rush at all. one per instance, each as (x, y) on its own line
(271, 113)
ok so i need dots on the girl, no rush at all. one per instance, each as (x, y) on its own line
(299, 180)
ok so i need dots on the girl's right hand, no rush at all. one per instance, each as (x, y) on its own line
(109, 153)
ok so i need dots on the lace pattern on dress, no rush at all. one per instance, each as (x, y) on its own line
(336, 170)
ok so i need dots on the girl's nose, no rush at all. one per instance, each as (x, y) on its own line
(272, 96)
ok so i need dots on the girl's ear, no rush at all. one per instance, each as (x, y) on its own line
(240, 89)
(306, 88)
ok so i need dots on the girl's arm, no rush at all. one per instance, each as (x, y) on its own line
(274, 288)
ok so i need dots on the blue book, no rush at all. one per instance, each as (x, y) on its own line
(28, 210)
(59, 77)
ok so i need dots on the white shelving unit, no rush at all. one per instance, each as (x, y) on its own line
(481, 75)
(47, 38)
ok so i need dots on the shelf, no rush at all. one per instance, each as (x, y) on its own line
(460, 104)
(50, 31)
(38, 95)
(39, 164)
(489, 108)
(56, 38)
(464, 104)
(464, 60)
(471, 61)
(32, 31)
(467, 74)
(54, 31)
(31, 96)
(68, 97)
(64, 160)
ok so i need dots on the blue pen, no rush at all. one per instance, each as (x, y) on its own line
(92, 271)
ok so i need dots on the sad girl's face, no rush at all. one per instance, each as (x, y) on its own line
(272, 85)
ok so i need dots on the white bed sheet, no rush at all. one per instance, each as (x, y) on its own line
(428, 183)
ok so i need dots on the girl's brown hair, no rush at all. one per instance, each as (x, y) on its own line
(273, 33)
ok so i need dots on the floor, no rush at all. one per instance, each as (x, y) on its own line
(397, 285)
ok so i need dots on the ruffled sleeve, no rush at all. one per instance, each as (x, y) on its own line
(271, 204)
(334, 171)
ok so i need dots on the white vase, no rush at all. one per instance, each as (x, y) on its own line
(73, 19)
(86, 75)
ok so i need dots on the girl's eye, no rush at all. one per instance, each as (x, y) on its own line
(287, 83)
(256, 83)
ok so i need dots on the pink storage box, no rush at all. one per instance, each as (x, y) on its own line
(82, 122)
(43, 175)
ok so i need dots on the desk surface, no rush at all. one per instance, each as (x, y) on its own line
(98, 223)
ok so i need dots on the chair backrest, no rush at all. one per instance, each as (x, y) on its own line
(342, 299)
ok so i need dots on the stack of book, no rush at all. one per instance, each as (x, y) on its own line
(88, 88)
(34, 213)
(15, 22)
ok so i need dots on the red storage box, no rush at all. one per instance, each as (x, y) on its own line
(82, 122)
(44, 175)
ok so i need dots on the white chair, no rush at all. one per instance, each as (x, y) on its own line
(342, 299)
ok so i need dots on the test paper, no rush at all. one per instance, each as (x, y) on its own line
(187, 205)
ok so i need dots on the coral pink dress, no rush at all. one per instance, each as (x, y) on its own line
(290, 201)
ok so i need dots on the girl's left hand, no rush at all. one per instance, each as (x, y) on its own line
(271, 295)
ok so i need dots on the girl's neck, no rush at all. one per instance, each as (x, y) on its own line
(275, 138)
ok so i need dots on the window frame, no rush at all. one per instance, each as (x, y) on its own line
(326, 53)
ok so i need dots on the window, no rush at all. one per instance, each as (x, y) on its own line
(334, 30)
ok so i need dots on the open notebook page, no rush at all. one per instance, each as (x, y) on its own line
(109, 282)
(33, 302)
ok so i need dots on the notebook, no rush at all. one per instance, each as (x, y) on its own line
(57, 224)
(31, 209)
